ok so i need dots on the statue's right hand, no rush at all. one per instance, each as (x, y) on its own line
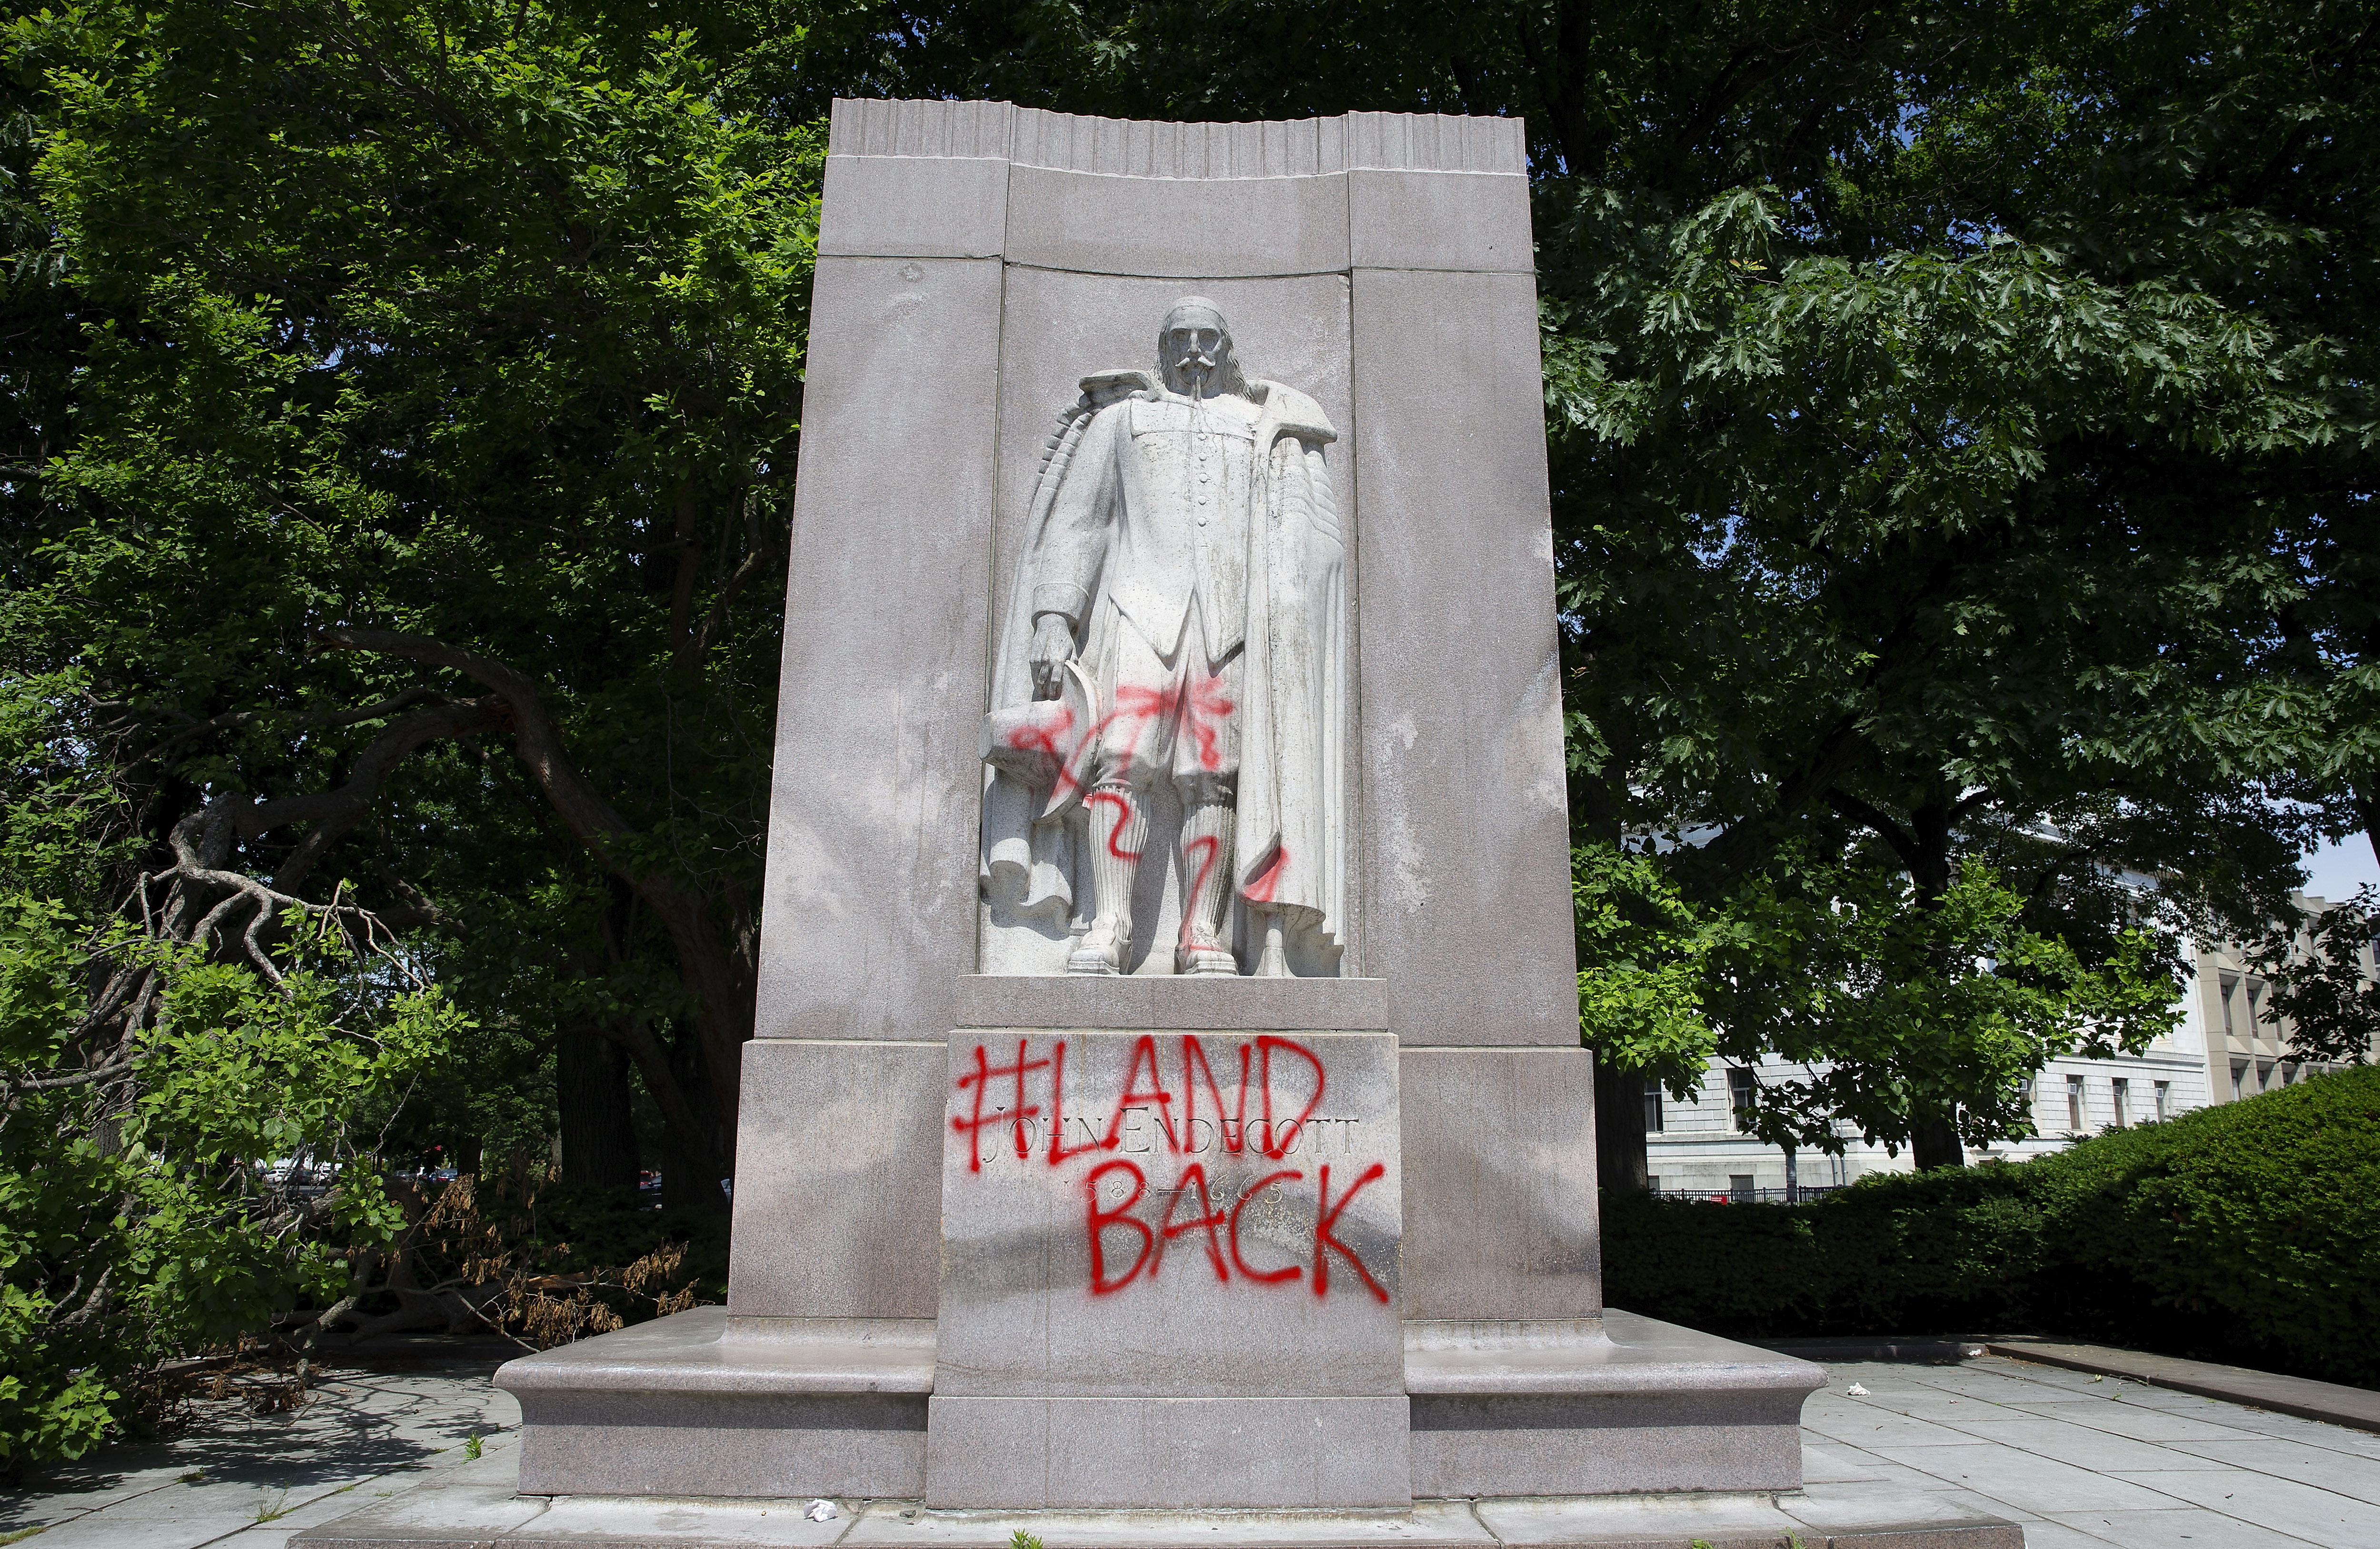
(1053, 646)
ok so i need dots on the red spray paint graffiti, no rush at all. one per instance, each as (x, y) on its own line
(972, 1125)
(1200, 705)
(1127, 1232)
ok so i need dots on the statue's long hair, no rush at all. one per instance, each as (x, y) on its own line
(1226, 380)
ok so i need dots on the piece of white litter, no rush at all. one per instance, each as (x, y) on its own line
(820, 1511)
(1856, 1391)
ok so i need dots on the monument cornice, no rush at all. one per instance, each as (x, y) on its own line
(1156, 148)
(1420, 191)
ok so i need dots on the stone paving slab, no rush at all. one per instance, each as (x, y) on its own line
(2216, 1473)
(253, 1481)
(1844, 1520)
(2075, 1460)
(2332, 1403)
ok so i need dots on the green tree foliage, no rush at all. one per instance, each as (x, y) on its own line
(1908, 533)
(440, 382)
(1896, 1005)
(1650, 951)
(2318, 976)
(400, 420)
(204, 1178)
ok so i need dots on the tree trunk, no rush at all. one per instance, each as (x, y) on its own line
(1934, 1143)
(695, 1155)
(599, 1134)
(2367, 806)
(1620, 1162)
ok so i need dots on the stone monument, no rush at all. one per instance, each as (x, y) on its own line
(1168, 1091)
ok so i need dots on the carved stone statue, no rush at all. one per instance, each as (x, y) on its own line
(1178, 619)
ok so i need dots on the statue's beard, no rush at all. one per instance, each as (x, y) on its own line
(1201, 377)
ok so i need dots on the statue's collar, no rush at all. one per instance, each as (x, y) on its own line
(1226, 402)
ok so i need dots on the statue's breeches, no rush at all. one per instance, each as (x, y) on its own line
(1176, 720)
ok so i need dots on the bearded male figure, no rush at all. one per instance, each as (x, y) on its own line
(1178, 619)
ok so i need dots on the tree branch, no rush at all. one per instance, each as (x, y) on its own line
(715, 624)
(723, 1013)
(690, 569)
(73, 1078)
(307, 721)
(1901, 841)
(1743, 845)
(333, 812)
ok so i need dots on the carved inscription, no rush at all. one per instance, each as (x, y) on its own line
(1198, 1149)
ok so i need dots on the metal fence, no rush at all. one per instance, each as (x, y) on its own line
(1801, 1194)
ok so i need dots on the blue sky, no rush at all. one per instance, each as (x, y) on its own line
(2341, 869)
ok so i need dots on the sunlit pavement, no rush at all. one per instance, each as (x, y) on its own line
(2078, 1460)
(2082, 1460)
(252, 1480)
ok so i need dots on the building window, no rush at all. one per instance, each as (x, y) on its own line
(1652, 1109)
(1739, 1186)
(2264, 1075)
(2289, 1075)
(2074, 1103)
(2163, 1101)
(2228, 985)
(2239, 1079)
(2123, 1102)
(2255, 1002)
(1739, 1097)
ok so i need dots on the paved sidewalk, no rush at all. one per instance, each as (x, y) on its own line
(2084, 1461)
(2302, 1397)
(2080, 1462)
(249, 1481)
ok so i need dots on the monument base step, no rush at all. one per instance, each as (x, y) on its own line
(1621, 1404)
(488, 1516)
(703, 1405)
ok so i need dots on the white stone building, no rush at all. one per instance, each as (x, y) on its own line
(2227, 1047)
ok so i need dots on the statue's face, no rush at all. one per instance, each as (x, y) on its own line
(1193, 348)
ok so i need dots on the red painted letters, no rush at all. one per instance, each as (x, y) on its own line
(1274, 1145)
(1288, 1272)
(1059, 1151)
(977, 1081)
(1202, 1204)
(1193, 1176)
(1120, 1217)
(1325, 1244)
(1143, 1052)
(1233, 1140)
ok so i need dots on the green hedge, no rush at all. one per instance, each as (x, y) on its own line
(2247, 1233)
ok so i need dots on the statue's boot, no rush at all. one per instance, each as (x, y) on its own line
(1117, 827)
(1272, 961)
(1206, 830)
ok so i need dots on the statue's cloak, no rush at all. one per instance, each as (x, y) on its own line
(1290, 844)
